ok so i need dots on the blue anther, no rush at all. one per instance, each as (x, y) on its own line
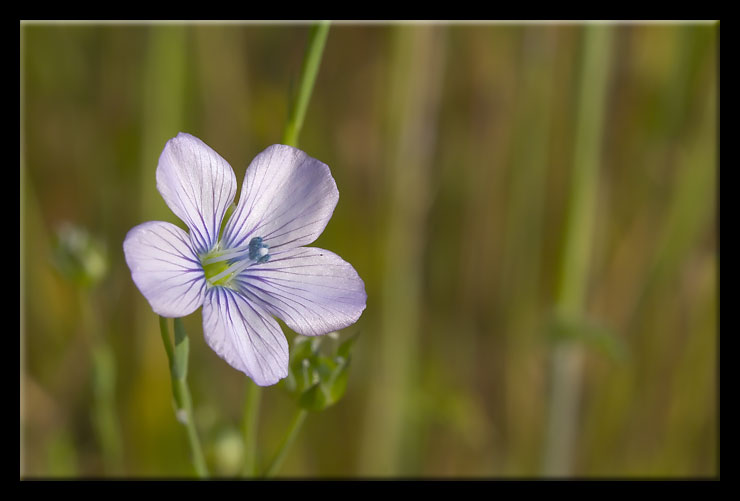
(256, 252)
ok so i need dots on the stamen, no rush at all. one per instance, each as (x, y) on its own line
(258, 251)
(239, 259)
(234, 269)
(235, 253)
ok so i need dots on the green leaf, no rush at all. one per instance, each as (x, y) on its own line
(589, 332)
(302, 349)
(314, 399)
(346, 346)
(182, 349)
(318, 379)
(324, 366)
(338, 383)
(331, 385)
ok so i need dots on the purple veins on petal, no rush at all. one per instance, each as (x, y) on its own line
(284, 189)
(312, 290)
(198, 185)
(165, 268)
(245, 336)
(260, 267)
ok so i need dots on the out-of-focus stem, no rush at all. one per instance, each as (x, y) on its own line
(522, 246)
(567, 357)
(416, 71)
(164, 97)
(106, 422)
(287, 442)
(309, 70)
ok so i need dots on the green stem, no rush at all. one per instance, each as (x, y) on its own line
(165, 332)
(287, 442)
(309, 70)
(567, 357)
(185, 416)
(249, 428)
(177, 358)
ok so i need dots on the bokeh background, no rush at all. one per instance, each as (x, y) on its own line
(471, 160)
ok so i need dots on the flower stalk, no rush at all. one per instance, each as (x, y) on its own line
(309, 70)
(178, 362)
(287, 442)
(249, 428)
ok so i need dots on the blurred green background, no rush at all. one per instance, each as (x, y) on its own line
(533, 209)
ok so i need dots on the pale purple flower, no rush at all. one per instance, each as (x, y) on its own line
(258, 267)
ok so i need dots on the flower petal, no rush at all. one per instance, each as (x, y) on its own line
(165, 268)
(312, 290)
(245, 336)
(198, 185)
(287, 199)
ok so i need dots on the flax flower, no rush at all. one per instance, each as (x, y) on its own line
(258, 267)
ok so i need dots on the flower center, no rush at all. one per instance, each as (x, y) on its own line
(215, 269)
(221, 266)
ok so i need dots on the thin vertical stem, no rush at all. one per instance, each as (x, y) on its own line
(249, 428)
(165, 332)
(309, 70)
(164, 94)
(567, 358)
(287, 442)
(185, 416)
(177, 358)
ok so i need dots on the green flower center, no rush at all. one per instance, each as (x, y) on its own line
(214, 269)
(220, 266)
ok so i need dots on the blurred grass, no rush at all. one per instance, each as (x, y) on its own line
(417, 62)
(574, 265)
(451, 147)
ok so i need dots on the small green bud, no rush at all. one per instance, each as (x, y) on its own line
(79, 256)
(319, 370)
